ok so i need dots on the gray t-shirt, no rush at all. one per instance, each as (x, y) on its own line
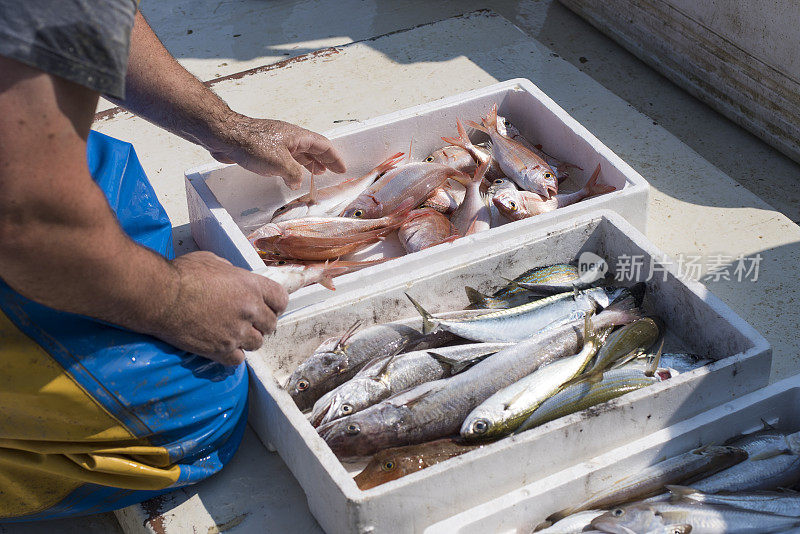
(83, 41)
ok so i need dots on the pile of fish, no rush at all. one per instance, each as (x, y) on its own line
(739, 488)
(543, 346)
(458, 190)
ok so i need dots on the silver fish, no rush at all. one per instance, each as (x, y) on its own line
(513, 294)
(774, 461)
(384, 377)
(437, 409)
(703, 519)
(785, 503)
(636, 336)
(338, 359)
(521, 322)
(572, 524)
(329, 201)
(504, 411)
(651, 480)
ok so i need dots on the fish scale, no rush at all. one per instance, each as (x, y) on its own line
(512, 294)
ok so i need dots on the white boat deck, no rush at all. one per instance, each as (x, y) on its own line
(716, 188)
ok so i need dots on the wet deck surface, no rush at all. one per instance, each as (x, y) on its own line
(716, 188)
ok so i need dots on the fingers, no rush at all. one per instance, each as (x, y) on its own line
(233, 358)
(291, 171)
(252, 340)
(266, 322)
(275, 296)
(320, 149)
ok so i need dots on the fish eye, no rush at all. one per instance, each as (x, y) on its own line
(281, 262)
(429, 159)
(498, 181)
(480, 426)
(387, 465)
(302, 384)
(358, 213)
(352, 429)
(346, 408)
(618, 512)
(512, 204)
(507, 122)
(548, 175)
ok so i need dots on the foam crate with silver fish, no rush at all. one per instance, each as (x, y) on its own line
(521, 510)
(226, 202)
(696, 321)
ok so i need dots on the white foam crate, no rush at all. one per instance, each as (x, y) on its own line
(518, 512)
(227, 202)
(696, 320)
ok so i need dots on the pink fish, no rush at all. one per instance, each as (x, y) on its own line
(517, 205)
(333, 199)
(425, 228)
(525, 167)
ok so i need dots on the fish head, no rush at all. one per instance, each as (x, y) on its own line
(483, 424)
(608, 295)
(629, 520)
(542, 180)
(364, 207)
(365, 432)
(311, 379)
(291, 210)
(510, 204)
(390, 464)
(349, 398)
(452, 156)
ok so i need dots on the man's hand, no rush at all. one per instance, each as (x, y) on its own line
(275, 148)
(220, 310)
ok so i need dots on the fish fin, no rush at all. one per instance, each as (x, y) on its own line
(679, 492)
(346, 336)
(415, 400)
(767, 426)
(474, 296)
(379, 375)
(478, 126)
(428, 322)
(632, 355)
(651, 369)
(472, 228)
(410, 144)
(456, 365)
(312, 191)
(543, 525)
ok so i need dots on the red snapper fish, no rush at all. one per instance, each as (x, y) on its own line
(516, 205)
(522, 165)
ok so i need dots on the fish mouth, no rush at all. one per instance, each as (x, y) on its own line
(552, 189)
(320, 415)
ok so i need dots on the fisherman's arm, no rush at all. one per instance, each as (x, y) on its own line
(61, 246)
(159, 89)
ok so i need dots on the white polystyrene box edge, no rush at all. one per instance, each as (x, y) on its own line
(526, 497)
(631, 200)
(291, 433)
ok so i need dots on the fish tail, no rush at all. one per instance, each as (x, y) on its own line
(389, 163)
(428, 322)
(478, 126)
(490, 121)
(329, 271)
(621, 312)
(462, 140)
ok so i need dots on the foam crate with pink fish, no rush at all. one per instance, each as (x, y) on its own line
(318, 345)
(402, 158)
